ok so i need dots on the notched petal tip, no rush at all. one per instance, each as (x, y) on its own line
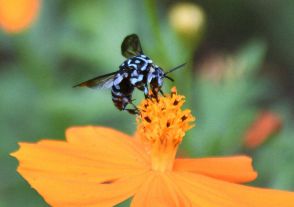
(17, 152)
(13, 154)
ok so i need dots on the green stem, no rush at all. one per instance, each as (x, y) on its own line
(155, 28)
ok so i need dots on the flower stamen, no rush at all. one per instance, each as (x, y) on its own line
(161, 126)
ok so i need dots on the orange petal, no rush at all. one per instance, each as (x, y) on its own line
(237, 169)
(70, 191)
(203, 191)
(51, 156)
(72, 175)
(159, 191)
(16, 15)
(108, 142)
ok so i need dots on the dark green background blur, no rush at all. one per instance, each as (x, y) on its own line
(240, 62)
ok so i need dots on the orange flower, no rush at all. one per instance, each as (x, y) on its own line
(16, 15)
(99, 166)
(266, 124)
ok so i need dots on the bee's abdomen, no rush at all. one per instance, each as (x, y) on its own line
(122, 94)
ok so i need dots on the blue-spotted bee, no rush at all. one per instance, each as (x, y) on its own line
(137, 71)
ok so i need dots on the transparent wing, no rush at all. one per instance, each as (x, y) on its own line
(131, 46)
(103, 81)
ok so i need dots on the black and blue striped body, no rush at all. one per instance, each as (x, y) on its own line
(137, 72)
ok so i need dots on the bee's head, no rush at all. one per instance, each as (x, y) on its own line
(155, 77)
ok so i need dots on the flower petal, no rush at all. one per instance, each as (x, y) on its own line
(107, 141)
(71, 175)
(74, 192)
(237, 169)
(60, 158)
(209, 192)
(159, 191)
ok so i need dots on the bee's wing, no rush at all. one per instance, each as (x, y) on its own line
(131, 46)
(103, 81)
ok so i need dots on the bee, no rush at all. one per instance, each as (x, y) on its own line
(137, 71)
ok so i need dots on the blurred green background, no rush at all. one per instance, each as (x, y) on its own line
(240, 62)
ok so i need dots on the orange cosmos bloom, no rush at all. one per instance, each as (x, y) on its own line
(99, 166)
(16, 15)
(266, 124)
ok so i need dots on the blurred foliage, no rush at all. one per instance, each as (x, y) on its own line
(223, 106)
(239, 69)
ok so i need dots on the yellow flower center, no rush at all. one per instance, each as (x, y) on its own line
(162, 125)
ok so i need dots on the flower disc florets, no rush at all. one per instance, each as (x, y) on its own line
(162, 126)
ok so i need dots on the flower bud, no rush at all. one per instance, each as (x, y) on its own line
(187, 19)
(17, 15)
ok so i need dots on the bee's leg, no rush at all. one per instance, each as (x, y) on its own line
(155, 94)
(161, 92)
(133, 111)
(135, 107)
(146, 91)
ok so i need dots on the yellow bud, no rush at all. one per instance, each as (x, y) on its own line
(187, 19)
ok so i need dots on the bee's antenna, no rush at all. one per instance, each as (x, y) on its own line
(175, 68)
(172, 70)
(169, 78)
